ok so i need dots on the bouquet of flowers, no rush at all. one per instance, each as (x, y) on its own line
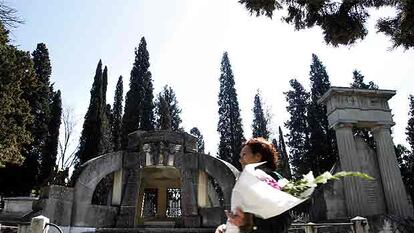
(258, 193)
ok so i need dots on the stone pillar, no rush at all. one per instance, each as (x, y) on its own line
(132, 180)
(117, 188)
(38, 224)
(394, 190)
(189, 179)
(202, 193)
(349, 162)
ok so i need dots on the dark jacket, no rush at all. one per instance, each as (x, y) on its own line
(276, 224)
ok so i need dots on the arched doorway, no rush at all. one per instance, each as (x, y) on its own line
(159, 199)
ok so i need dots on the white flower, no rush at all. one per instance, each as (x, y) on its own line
(322, 179)
(310, 179)
(282, 182)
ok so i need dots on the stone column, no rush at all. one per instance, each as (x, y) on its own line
(202, 192)
(117, 188)
(394, 190)
(349, 162)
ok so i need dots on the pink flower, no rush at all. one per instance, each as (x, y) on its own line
(273, 183)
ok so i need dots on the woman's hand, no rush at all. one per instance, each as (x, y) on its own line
(221, 229)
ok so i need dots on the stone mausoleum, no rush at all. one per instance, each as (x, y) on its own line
(160, 180)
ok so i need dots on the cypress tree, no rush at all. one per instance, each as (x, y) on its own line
(90, 144)
(407, 170)
(47, 120)
(298, 137)
(164, 120)
(138, 112)
(260, 122)
(48, 164)
(200, 140)
(229, 125)
(117, 115)
(359, 82)
(283, 165)
(410, 126)
(322, 139)
(105, 145)
(174, 111)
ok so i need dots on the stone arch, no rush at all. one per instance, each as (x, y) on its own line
(92, 172)
(223, 172)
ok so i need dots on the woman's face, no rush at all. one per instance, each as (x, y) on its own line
(247, 157)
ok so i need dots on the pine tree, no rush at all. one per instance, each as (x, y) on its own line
(283, 165)
(90, 144)
(117, 115)
(260, 122)
(138, 112)
(230, 124)
(200, 140)
(359, 82)
(322, 139)
(298, 137)
(174, 111)
(16, 68)
(18, 84)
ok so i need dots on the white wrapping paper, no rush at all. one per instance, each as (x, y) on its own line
(253, 194)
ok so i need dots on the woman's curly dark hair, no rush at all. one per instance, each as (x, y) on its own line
(266, 149)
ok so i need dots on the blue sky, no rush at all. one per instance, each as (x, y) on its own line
(186, 40)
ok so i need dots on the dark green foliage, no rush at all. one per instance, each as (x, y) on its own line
(359, 82)
(117, 115)
(48, 164)
(343, 22)
(410, 127)
(405, 160)
(16, 67)
(283, 164)
(260, 122)
(229, 125)
(401, 27)
(46, 123)
(200, 140)
(404, 156)
(168, 112)
(298, 138)
(138, 112)
(164, 118)
(91, 143)
(322, 142)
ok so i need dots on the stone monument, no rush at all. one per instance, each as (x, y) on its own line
(159, 180)
(349, 109)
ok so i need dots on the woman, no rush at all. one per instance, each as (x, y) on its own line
(258, 150)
